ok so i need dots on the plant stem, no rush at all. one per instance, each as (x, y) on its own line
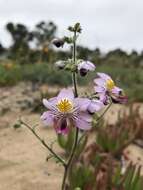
(74, 60)
(44, 143)
(74, 84)
(69, 162)
(101, 116)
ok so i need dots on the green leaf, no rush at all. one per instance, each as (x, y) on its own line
(129, 177)
(137, 180)
(17, 125)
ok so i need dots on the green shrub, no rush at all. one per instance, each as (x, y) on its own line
(128, 78)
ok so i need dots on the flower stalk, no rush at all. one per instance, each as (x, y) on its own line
(44, 143)
(67, 110)
(69, 162)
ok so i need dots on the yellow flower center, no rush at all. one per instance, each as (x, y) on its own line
(65, 105)
(110, 84)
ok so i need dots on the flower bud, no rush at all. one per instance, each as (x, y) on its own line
(71, 29)
(58, 42)
(77, 27)
(60, 64)
(85, 66)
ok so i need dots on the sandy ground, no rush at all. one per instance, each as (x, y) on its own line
(23, 164)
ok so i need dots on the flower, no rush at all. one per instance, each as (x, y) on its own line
(105, 88)
(85, 66)
(58, 42)
(65, 110)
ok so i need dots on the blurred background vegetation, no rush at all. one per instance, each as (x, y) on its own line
(31, 57)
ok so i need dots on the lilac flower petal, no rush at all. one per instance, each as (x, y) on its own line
(47, 118)
(66, 93)
(82, 103)
(90, 66)
(103, 98)
(95, 106)
(50, 103)
(116, 90)
(99, 89)
(85, 116)
(63, 132)
(100, 82)
(84, 121)
(87, 65)
(61, 126)
(119, 99)
(104, 76)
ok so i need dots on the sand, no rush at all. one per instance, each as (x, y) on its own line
(23, 164)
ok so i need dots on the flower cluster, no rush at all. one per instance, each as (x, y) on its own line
(65, 111)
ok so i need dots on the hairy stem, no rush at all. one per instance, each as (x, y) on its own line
(44, 143)
(69, 162)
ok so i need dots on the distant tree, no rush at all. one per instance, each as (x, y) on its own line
(84, 52)
(43, 34)
(97, 56)
(134, 58)
(2, 49)
(20, 39)
(117, 57)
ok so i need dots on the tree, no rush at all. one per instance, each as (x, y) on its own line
(44, 33)
(20, 39)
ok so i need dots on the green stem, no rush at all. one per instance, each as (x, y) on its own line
(74, 84)
(70, 160)
(74, 59)
(44, 144)
(101, 116)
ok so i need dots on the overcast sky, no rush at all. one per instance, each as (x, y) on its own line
(107, 24)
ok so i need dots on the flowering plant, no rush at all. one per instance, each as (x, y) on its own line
(86, 167)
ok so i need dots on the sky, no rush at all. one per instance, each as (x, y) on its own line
(107, 24)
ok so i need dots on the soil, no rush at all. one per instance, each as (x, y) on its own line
(23, 164)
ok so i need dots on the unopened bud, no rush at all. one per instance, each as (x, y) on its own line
(71, 29)
(58, 42)
(60, 64)
(83, 72)
(77, 27)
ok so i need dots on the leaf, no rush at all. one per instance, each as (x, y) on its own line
(17, 125)
(137, 180)
(117, 176)
(129, 177)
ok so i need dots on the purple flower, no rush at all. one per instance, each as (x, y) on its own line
(65, 110)
(85, 66)
(105, 88)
